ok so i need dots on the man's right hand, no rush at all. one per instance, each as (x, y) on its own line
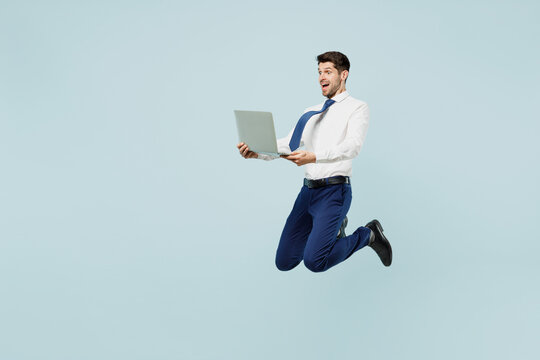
(245, 152)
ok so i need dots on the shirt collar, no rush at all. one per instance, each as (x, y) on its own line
(340, 97)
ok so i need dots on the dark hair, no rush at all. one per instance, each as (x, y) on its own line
(339, 60)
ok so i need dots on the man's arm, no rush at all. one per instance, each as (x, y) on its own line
(347, 149)
(301, 157)
(354, 139)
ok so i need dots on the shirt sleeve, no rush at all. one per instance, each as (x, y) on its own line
(354, 139)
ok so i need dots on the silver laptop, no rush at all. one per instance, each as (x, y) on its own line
(256, 129)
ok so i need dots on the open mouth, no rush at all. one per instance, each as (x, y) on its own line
(325, 86)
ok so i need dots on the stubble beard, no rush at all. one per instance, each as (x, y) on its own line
(333, 92)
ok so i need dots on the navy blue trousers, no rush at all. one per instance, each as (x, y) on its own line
(310, 233)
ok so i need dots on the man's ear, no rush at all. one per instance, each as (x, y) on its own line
(344, 75)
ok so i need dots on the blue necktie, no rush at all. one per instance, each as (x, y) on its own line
(301, 124)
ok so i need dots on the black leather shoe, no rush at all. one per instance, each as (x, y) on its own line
(341, 233)
(379, 242)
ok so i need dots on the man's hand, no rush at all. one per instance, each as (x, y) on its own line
(245, 152)
(301, 157)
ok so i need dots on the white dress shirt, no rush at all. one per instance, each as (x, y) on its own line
(335, 137)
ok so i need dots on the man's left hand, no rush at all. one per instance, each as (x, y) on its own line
(301, 157)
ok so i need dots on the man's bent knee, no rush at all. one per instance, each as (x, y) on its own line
(285, 266)
(315, 266)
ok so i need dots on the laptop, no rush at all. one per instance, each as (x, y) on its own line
(256, 129)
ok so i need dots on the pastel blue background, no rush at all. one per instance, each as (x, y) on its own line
(130, 228)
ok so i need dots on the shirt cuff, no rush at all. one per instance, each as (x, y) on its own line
(321, 156)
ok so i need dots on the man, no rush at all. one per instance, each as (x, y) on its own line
(332, 135)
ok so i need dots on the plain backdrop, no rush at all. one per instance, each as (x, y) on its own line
(130, 228)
